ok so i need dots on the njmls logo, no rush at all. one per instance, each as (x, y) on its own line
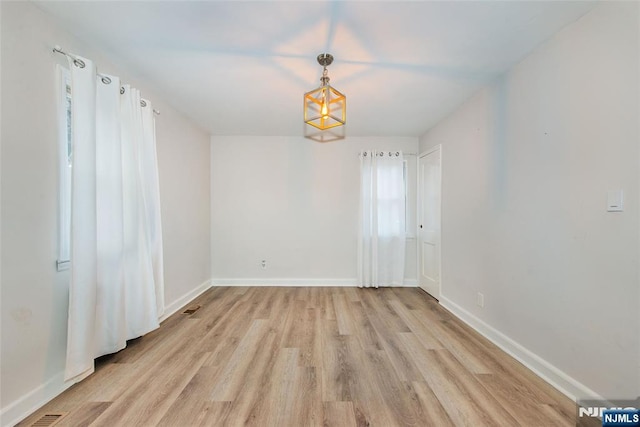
(599, 411)
(621, 417)
(613, 414)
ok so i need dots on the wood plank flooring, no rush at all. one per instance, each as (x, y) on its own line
(312, 357)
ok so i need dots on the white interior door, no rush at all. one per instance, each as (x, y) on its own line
(429, 222)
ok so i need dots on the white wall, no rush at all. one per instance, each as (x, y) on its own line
(527, 164)
(34, 295)
(294, 203)
(183, 162)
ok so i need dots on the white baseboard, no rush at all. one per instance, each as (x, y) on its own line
(36, 398)
(30, 402)
(410, 283)
(296, 282)
(284, 282)
(564, 383)
(185, 299)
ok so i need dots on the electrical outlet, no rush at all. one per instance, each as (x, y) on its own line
(480, 300)
(263, 264)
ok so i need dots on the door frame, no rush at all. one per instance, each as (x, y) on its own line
(419, 197)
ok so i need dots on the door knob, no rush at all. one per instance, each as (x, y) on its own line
(420, 225)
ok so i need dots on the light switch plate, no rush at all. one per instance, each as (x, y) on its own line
(615, 200)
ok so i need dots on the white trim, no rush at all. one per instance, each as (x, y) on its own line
(19, 409)
(63, 265)
(564, 383)
(184, 300)
(284, 282)
(296, 282)
(410, 283)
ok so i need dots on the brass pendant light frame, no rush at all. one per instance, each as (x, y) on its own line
(325, 96)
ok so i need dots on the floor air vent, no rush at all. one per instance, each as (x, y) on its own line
(191, 309)
(48, 420)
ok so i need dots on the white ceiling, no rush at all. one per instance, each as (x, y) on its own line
(241, 68)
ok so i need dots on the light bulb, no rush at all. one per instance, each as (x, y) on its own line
(324, 107)
(324, 110)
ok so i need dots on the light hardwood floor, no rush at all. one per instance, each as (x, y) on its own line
(312, 357)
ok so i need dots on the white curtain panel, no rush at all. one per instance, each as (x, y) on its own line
(83, 286)
(149, 173)
(381, 248)
(141, 304)
(116, 289)
(110, 320)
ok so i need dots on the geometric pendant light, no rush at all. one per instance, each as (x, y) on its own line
(325, 107)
